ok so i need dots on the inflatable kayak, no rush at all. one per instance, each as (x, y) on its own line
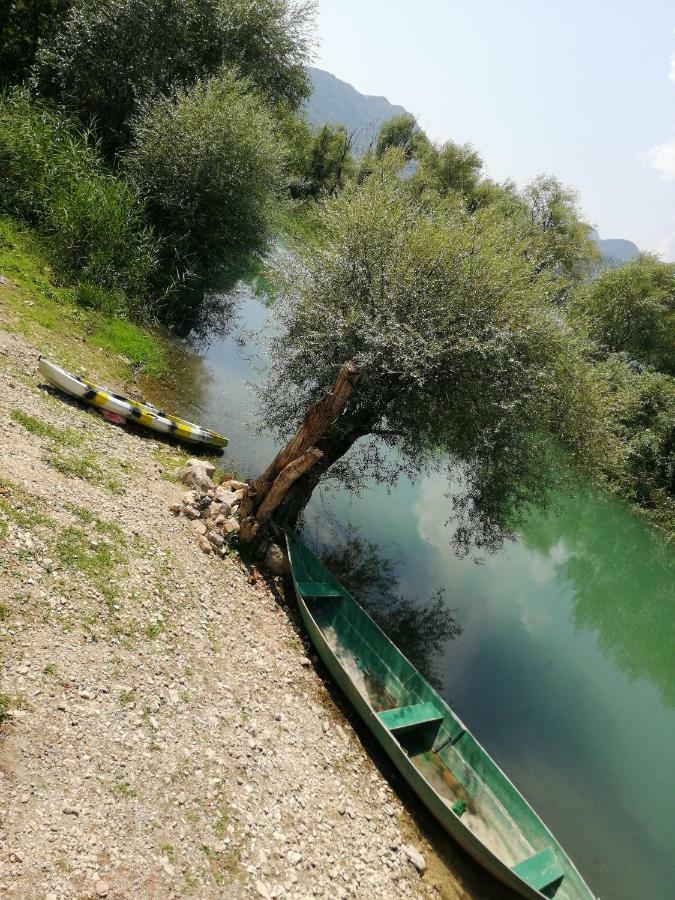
(132, 410)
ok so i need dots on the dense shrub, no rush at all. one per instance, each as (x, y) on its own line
(632, 310)
(111, 56)
(642, 408)
(53, 179)
(24, 25)
(317, 163)
(207, 164)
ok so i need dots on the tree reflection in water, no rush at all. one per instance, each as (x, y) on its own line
(419, 628)
(622, 575)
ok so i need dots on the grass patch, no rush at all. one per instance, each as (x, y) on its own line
(60, 320)
(83, 467)
(35, 426)
(169, 852)
(50, 670)
(123, 789)
(17, 506)
(75, 550)
(5, 703)
(128, 697)
(4, 612)
(221, 863)
(153, 630)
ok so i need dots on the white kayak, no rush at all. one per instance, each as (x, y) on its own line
(140, 413)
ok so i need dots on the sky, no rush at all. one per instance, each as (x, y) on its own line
(581, 90)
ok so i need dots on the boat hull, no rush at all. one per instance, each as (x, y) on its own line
(574, 888)
(143, 414)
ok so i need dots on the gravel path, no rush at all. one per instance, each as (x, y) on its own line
(167, 734)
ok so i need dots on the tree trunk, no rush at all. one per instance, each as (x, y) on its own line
(265, 495)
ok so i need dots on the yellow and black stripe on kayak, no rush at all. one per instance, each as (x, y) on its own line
(141, 413)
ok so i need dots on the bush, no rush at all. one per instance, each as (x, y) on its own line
(51, 177)
(111, 56)
(642, 409)
(208, 165)
(631, 310)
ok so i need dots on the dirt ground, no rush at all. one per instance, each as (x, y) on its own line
(167, 732)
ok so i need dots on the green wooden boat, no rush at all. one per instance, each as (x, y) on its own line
(434, 751)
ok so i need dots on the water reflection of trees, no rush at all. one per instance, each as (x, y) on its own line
(419, 628)
(622, 575)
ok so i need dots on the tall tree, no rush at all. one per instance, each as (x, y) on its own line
(449, 168)
(110, 56)
(562, 243)
(632, 310)
(446, 345)
(402, 132)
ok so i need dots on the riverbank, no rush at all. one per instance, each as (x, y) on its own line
(165, 732)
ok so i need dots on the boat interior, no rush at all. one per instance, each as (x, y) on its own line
(456, 768)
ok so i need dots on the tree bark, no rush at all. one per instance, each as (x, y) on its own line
(291, 464)
(284, 480)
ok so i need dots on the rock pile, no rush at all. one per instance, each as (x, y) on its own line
(213, 508)
(214, 511)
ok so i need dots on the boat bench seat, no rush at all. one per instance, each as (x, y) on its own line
(311, 588)
(403, 717)
(540, 870)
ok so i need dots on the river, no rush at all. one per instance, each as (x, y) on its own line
(565, 665)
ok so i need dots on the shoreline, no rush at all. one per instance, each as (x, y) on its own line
(165, 733)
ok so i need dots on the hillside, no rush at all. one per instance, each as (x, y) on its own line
(336, 101)
(614, 251)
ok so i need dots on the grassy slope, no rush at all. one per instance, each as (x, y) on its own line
(48, 314)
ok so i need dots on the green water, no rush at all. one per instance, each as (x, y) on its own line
(565, 667)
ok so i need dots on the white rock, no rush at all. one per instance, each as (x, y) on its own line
(197, 463)
(197, 478)
(233, 485)
(415, 857)
(231, 526)
(102, 888)
(224, 496)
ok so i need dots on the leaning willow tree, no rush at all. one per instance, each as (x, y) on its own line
(419, 325)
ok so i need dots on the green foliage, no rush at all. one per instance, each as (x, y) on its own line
(562, 243)
(43, 429)
(78, 330)
(50, 177)
(631, 309)
(270, 42)
(457, 346)
(208, 165)
(401, 132)
(5, 706)
(111, 56)
(449, 168)
(643, 413)
(24, 25)
(318, 164)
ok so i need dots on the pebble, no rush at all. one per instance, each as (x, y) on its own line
(170, 706)
(415, 857)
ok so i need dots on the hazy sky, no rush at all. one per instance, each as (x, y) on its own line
(583, 90)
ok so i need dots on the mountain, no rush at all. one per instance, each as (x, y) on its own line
(337, 102)
(614, 251)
